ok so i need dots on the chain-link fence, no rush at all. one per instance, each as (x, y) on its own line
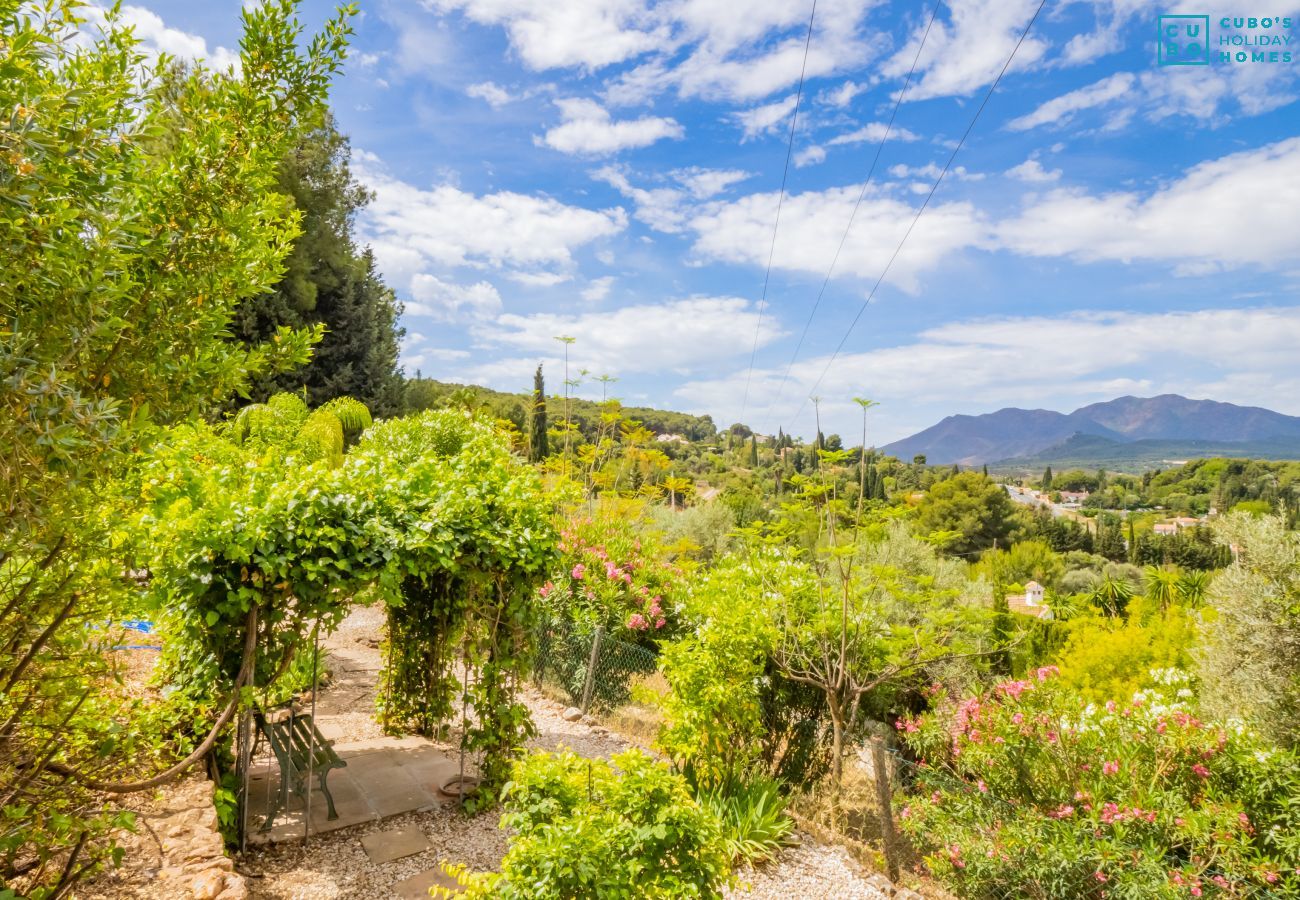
(593, 670)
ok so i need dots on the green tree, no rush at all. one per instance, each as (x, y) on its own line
(537, 435)
(1249, 655)
(753, 451)
(1047, 479)
(973, 508)
(128, 242)
(328, 281)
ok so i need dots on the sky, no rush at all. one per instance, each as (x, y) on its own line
(612, 170)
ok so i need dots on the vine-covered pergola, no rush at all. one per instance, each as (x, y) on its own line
(261, 533)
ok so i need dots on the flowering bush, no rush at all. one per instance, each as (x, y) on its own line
(612, 575)
(1028, 791)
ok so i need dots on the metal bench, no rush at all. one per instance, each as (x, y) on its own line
(301, 752)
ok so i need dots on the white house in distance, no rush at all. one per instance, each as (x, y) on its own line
(1030, 603)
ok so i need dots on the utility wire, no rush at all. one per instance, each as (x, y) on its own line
(928, 197)
(785, 174)
(861, 194)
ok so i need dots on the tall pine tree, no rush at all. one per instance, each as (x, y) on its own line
(329, 280)
(537, 440)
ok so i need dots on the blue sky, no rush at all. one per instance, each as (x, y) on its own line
(610, 170)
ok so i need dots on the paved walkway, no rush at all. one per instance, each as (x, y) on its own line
(384, 777)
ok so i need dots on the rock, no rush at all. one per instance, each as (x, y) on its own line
(208, 886)
(882, 884)
(572, 714)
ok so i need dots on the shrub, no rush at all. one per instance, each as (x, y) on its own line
(1028, 791)
(1103, 658)
(586, 828)
(754, 822)
(612, 575)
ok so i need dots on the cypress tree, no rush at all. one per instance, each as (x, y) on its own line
(753, 451)
(537, 439)
(1047, 478)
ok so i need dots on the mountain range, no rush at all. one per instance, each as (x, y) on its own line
(1126, 432)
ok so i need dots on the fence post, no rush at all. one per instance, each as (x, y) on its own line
(884, 798)
(591, 669)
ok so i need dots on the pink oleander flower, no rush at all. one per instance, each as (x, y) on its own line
(1110, 706)
(578, 571)
(611, 570)
(984, 788)
(1018, 718)
(660, 622)
(627, 577)
(1201, 770)
(637, 622)
(1196, 890)
(1064, 811)
(1046, 672)
(546, 589)
(1271, 877)
(1100, 876)
(1110, 767)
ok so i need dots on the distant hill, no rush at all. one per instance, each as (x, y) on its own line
(1083, 451)
(1138, 430)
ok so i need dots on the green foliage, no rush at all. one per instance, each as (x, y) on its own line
(330, 282)
(586, 828)
(1104, 658)
(136, 211)
(970, 506)
(754, 822)
(614, 573)
(714, 729)
(1027, 790)
(1249, 655)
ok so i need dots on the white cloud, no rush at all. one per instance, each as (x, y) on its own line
(539, 279)
(1032, 171)
(447, 302)
(1241, 209)
(588, 130)
(589, 34)
(809, 156)
(663, 209)
(677, 336)
(1236, 355)
(967, 51)
(843, 95)
(413, 230)
(597, 289)
(704, 183)
(764, 119)
(1061, 109)
(931, 171)
(873, 133)
(813, 222)
(156, 37)
(493, 94)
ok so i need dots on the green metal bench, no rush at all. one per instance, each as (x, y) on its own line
(302, 752)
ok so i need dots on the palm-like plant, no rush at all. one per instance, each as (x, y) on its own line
(1163, 586)
(862, 457)
(1112, 595)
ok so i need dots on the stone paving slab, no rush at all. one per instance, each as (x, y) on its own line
(386, 846)
(383, 777)
(417, 886)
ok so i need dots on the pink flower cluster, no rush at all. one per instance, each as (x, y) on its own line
(1111, 814)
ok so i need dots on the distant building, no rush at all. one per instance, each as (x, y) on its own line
(1175, 525)
(671, 439)
(1073, 498)
(1031, 602)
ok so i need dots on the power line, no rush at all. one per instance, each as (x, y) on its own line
(861, 194)
(928, 197)
(785, 174)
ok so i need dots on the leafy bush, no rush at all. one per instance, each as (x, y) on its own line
(613, 574)
(754, 822)
(1029, 791)
(586, 828)
(1104, 658)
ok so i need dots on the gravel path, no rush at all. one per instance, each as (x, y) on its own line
(334, 865)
